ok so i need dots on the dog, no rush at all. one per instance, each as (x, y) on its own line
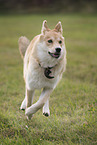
(44, 63)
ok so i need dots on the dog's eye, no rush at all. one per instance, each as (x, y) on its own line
(60, 42)
(50, 41)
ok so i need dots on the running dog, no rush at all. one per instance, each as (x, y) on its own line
(44, 63)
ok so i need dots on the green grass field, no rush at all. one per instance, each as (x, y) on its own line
(73, 119)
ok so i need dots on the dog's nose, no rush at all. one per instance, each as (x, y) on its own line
(58, 49)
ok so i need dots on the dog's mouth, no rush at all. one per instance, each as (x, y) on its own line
(55, 55)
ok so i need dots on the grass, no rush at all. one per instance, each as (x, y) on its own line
(73, 103)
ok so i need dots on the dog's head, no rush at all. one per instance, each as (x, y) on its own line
(51, 44)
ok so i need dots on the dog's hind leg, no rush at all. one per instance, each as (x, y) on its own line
(40, 103)
(46, 111)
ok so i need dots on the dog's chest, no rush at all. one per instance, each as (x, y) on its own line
(36, 79)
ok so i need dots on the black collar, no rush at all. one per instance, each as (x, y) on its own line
(47, 71)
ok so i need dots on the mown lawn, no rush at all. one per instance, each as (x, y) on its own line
(73, 104)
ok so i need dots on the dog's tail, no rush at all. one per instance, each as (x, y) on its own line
(23, 44)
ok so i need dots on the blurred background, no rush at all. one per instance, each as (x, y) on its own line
(37, 6)
(73, 103)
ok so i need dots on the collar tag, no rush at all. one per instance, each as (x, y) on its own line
(47, 72)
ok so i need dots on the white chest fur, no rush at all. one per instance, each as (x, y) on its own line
(35, 78)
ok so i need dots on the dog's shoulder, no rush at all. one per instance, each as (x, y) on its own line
(31, 46)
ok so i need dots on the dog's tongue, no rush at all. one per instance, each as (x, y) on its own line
(55, 55)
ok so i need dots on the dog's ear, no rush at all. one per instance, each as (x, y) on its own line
(58, 27)
(44, 27)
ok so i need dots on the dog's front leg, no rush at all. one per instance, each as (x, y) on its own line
(23, 105)
(40, 103)
(28, 100)
(30, 94)
(46, 111)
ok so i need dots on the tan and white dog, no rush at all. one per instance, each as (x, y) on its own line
(44, 63)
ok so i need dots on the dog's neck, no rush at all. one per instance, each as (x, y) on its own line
(46, 67)
(47, 71)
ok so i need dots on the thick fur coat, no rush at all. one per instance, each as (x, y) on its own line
(44, 63)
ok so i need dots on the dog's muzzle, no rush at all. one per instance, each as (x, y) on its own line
(57, 53)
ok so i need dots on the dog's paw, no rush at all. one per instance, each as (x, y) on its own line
(46, 111)
(22, 108)
(46, 114)
(28, 114)
(23, 105)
